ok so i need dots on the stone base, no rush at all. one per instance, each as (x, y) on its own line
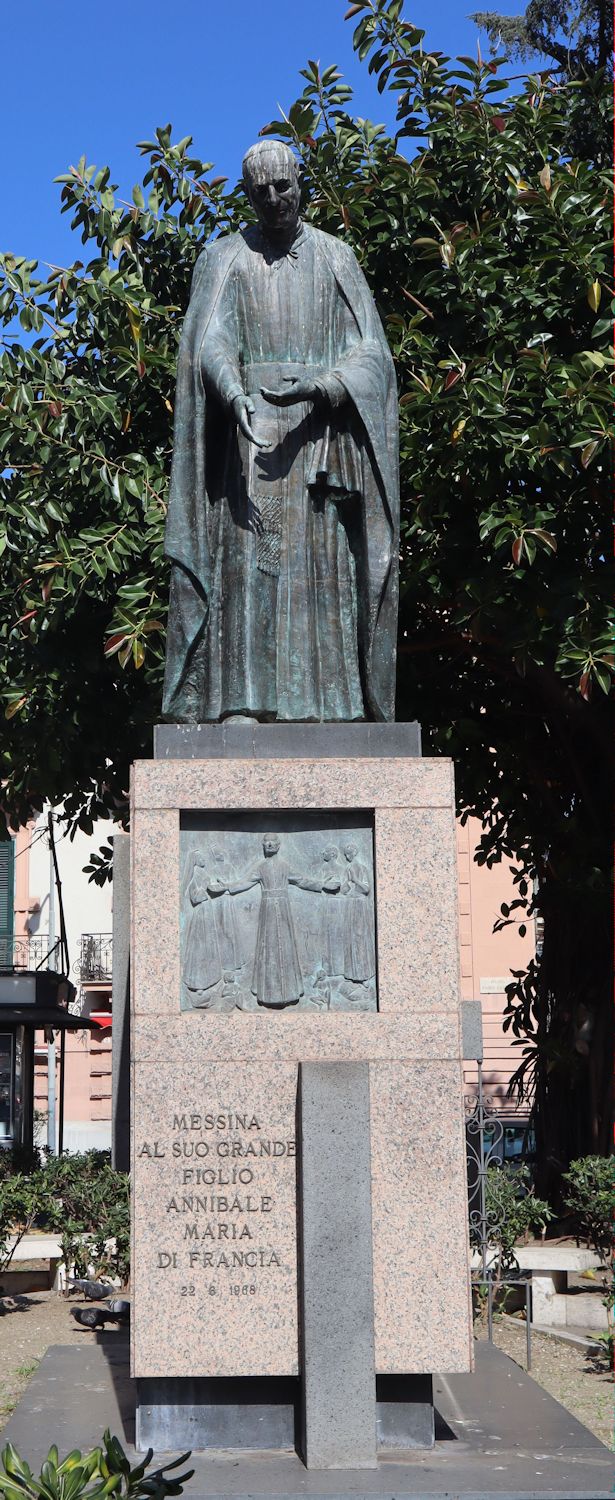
(243, 1414)
(404, 1412)
(219, 1278)
(253, 741)
(201, 1414)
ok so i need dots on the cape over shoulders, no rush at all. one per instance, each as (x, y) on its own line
(224, 248)
(217, 251)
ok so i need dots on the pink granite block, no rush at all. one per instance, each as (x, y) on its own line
(191, 1248)
(294, 783)
(289, 1035)
(419, 1208)
(414, 866)
(418, 963)
(155, 965)
(214, 1279)
(215, 1282)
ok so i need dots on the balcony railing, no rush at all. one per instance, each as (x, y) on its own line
(29, 953)
(96, 960)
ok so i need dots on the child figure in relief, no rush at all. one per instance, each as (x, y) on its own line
(359, 948)
(202, 959)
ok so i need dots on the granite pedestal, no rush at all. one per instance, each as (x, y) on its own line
(290, 1155)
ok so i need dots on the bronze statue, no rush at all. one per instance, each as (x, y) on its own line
(283, 514)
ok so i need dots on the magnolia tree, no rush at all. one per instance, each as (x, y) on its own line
(486, 246)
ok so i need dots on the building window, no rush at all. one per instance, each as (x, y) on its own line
(7, 902)
(6, 1086)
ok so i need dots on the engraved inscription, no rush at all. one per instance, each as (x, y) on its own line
(278, 917)
(217, 1211)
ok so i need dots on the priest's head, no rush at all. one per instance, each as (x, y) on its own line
(271, 181)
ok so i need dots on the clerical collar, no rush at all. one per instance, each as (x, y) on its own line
(279, 250)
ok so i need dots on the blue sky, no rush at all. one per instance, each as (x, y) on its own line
(86, 78)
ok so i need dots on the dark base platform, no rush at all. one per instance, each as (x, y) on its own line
(254, 741)
(257, 1415)
(498, 1434)
(238, 1413)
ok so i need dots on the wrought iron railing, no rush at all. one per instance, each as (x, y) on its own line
(96, 958)
(484, 1131)
(29, 953)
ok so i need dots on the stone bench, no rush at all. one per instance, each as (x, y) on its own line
(39, 1247)
(552, 1305)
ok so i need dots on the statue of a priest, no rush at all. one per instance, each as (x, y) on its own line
(283, 514)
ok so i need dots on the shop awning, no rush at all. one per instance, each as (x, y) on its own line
(39, 1016)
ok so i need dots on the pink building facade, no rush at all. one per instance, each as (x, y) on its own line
(30, 936)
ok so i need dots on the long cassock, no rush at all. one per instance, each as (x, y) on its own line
(276, 976)
(284, 580)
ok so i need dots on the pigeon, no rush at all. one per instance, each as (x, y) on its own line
(91, 1317)
(120, 1308)
(92, 1290)
(96, 1317)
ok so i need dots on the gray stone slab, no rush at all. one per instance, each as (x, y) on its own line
(120, 1039)
(471, 1030)
(505, 1437)
(337, 1294)
(404, 1412)
(205, 1413)
(95, 1371)
(254, 741)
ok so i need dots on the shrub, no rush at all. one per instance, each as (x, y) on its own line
(512, 1211)
(91, 1476)
(591, 1198)
(88, 1203)
(18, 1158)
(19, 1206)
(82, 1198)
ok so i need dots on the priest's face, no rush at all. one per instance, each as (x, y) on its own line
(273, 190)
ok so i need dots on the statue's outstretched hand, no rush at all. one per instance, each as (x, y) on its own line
(294, 390)
(243, 409)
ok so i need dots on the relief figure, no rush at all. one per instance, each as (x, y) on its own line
(358, 926)
(332, 908)
(276, 975)
(202, 960)
(227, 926)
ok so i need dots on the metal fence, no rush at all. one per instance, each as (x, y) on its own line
(29, 953)
(95, 963)
(484, 1132)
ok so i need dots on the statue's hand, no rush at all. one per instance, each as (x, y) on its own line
(295, 390)
(243, 409)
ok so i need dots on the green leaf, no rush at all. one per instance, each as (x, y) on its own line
(588, 453)
(603, 676)
(594, 293)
